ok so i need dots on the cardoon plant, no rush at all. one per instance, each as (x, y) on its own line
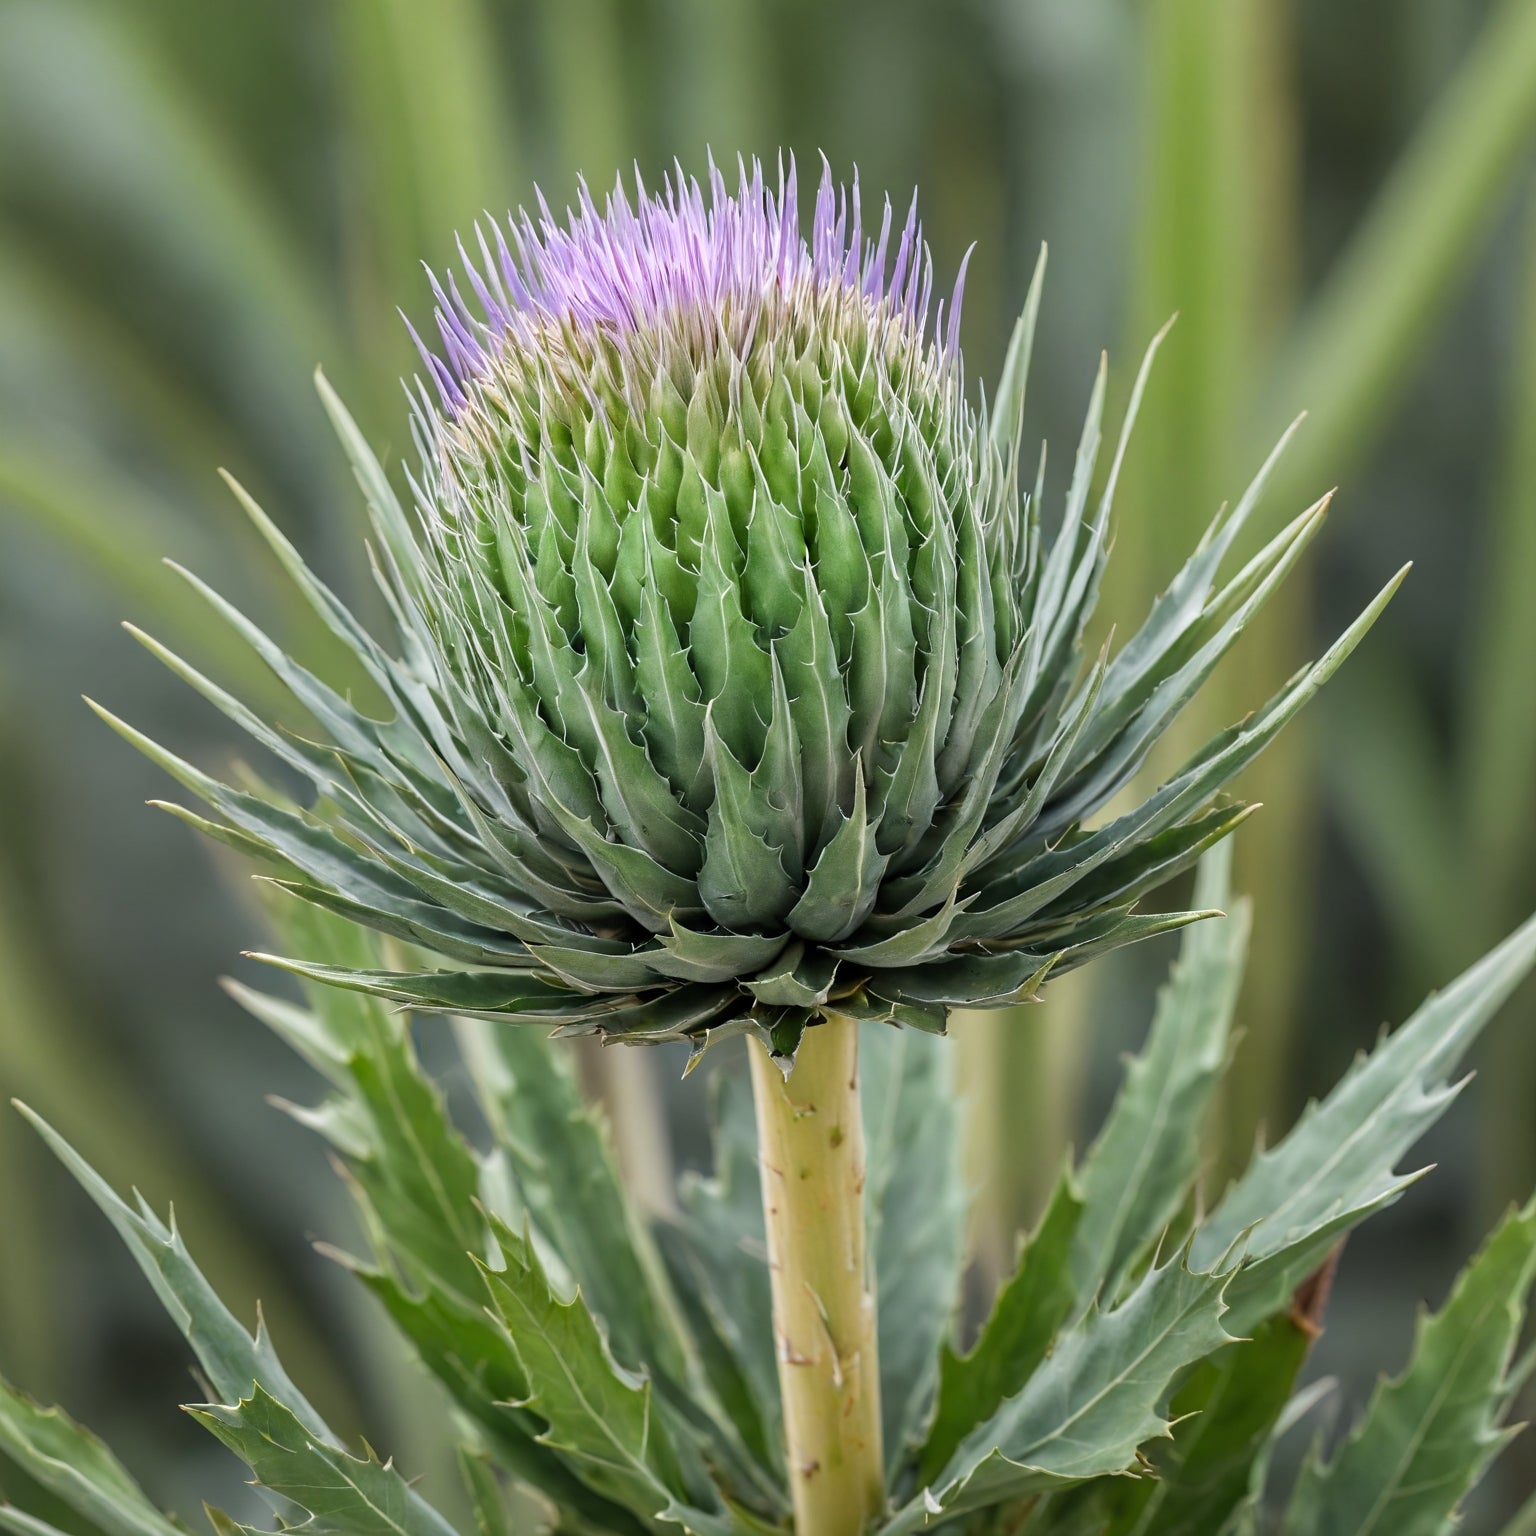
(738, 691)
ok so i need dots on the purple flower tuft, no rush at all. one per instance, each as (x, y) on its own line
(631, 268)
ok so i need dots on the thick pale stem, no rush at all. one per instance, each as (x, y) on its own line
(811, 1147)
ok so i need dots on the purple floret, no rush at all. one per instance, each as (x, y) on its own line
(629, 265)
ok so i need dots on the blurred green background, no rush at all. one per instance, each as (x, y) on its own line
(200, 202)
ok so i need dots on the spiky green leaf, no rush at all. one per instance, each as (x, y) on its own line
(232, 1359)
(1429, 1435)
(567, 1183)
(600, 1417)
(1339, 1162)
(1138, 1172)
(344, 1494)
(71, 1463)
(1030, 1309)
(1100, 1395)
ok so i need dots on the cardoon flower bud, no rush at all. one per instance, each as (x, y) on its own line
(737, 681)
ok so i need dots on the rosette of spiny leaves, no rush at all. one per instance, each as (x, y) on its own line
(738, 678)
(611, 1374)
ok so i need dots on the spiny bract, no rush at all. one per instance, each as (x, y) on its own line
(737, 680)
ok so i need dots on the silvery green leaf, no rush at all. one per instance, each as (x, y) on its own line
(384, 507)
(1030, 1310)
(493, 1516)
(908, 1013)
(889, 944)
(284, 834)
(1428, 1435)
(1145, 867)
(74, 1466)
(244, 1368)
(333, 613)
(1339, 1162)
(417, 1186)
(1187, 596)
(1138, 1172)
(359, 1495)
(1125, 730)
(1114, 930)
(1225, 1415)
(694, 955)
(232, 1359)
(1099, 1396)
(1069, 580)
(1073, 550)
(968, 980)
(798, 978)
(410, 1168)
(448, 991)
(600, 1416)
(471, 1355)
(568, 1184)
(418, 923)
(517, 997)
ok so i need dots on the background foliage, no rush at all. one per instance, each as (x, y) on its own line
(193, 213)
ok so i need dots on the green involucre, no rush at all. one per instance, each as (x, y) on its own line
(737, 679)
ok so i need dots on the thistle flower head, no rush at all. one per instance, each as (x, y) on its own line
(737, 679)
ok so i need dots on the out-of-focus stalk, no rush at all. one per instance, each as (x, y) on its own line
(582, 56)
(811, 1149)
(1499, 766)
(1216, 195)
(1499, 743)
(1351, 357)
(1216, 246)
(1346, 363)
(626, 1085)
(1020, 1076)
(430, 148)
